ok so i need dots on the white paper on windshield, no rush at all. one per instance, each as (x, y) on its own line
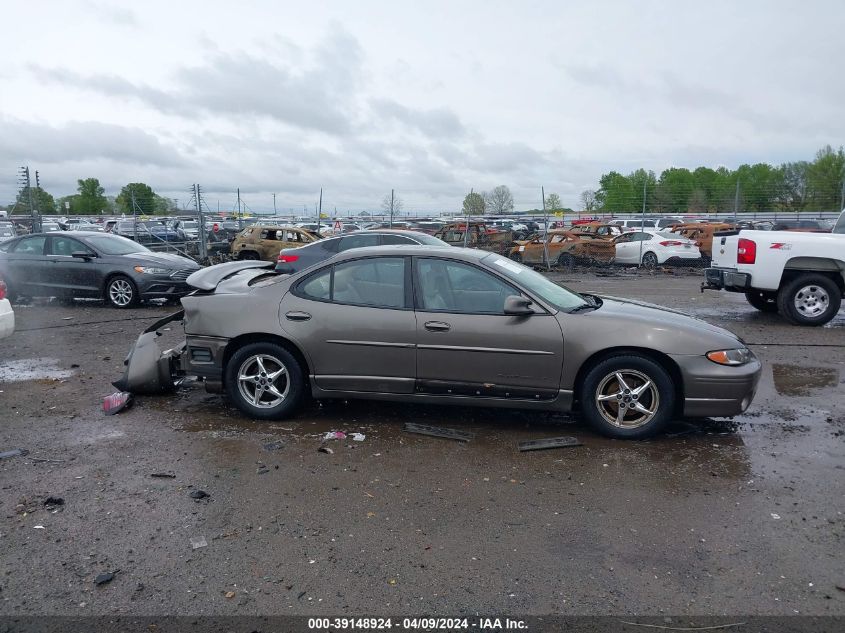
(508, 265)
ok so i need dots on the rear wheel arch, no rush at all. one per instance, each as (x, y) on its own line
(245, 339)
(833, 268)
(660, 358)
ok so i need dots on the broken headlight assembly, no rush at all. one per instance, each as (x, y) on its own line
(731, 357)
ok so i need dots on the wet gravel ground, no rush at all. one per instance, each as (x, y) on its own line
(741, 516)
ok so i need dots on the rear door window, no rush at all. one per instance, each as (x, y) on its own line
(31, 245)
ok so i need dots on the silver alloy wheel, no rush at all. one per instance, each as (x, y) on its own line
(121, 292)
(649, 260)
(258, 376)
(811, 301)
(627, 398)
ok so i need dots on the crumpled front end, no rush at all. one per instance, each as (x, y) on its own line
(149, 369)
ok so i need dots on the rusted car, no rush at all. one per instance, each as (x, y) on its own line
(565, 248)
(481, 236)
(264, 241)
(702, 234)
(599, 229)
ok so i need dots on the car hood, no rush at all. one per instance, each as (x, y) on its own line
(165, 259)
(210, 278)
(636, 323)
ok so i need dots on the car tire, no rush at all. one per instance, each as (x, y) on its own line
(259, 362)
(566, 260)
(121, 292)
(649, 260)
(809, 299)
(602, 395)
(762, 300)
(250, 255)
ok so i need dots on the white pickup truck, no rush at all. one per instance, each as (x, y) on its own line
(799, 275)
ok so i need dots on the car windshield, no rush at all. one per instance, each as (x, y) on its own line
(840, 224)
(558, 296)
(116, 245)
(190, 225)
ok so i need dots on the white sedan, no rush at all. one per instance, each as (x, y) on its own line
(651, 248)
(7, 315)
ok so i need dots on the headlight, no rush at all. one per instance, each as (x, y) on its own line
(730, 356)
(146, 270)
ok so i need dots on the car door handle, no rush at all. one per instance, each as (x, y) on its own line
(437, 326)
(297, 316)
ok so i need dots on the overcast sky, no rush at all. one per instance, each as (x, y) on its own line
(430, 98)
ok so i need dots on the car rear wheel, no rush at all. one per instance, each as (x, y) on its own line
(121, 292)
(264, 381)
(762, 300)
(649, 260)
(627, 397)
(248, 255)
(809, 299)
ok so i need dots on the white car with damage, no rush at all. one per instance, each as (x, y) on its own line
(799, 275)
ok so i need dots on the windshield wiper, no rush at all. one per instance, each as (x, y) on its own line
(583, 306)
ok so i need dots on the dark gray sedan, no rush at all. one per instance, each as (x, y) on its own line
(92, 265)
(447, 326)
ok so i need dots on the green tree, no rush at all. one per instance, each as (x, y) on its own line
(614, 193)
(825, 176)
(145, 199)
(41, 200)
(474, 204)
(553, 203)
(90, 198)
(676, 185)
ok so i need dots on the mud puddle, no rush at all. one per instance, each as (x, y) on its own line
(794, 380)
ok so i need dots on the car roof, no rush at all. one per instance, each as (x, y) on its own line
(452, 252)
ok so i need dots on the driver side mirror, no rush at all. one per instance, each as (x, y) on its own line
(518, 306)
(83, 255)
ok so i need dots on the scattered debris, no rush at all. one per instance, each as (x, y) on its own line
(775, 516)
(105, 577)
(840, 587)
(15, 452)
(325, 449)
(163, 475)
(335, 435)
(38, 527)
(437, 431)
(53, 502)
(301, 593)
(274, 446)
(196, 495)
(358, 437)
(229, 594)
(116, 402)
(549, 442)
(198, 541)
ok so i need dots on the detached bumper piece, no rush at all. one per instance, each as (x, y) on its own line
(725, 279)
(149, 370)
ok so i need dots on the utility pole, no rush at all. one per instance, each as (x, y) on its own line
(469, 217)
(546, 232)
(320, 210)
(203, 246)
(642, 220)
(391, 209)
(736, 201)
(274, 204)
(134, 215)
(26, 182)
(842, 196)
(240, 215)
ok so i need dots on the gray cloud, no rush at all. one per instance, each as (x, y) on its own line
(436, 122)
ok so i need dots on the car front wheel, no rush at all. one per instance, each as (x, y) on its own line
(627, 397)
(650, 260)
(121, 292)
(264, 381)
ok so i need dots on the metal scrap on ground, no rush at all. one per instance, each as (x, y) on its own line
(549, 442)
(17, 452)
(438, 431)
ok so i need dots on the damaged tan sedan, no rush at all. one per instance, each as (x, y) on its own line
(444, 326)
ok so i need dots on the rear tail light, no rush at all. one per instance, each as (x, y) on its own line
(2, 289)
(671, 243)
(287, 259)
(746, 252)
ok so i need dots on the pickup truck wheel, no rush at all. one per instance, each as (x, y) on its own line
(809, 299)
(264, 381)
(627, 397)
(762, 300)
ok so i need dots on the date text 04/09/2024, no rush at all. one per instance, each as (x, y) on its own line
(417, 623)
